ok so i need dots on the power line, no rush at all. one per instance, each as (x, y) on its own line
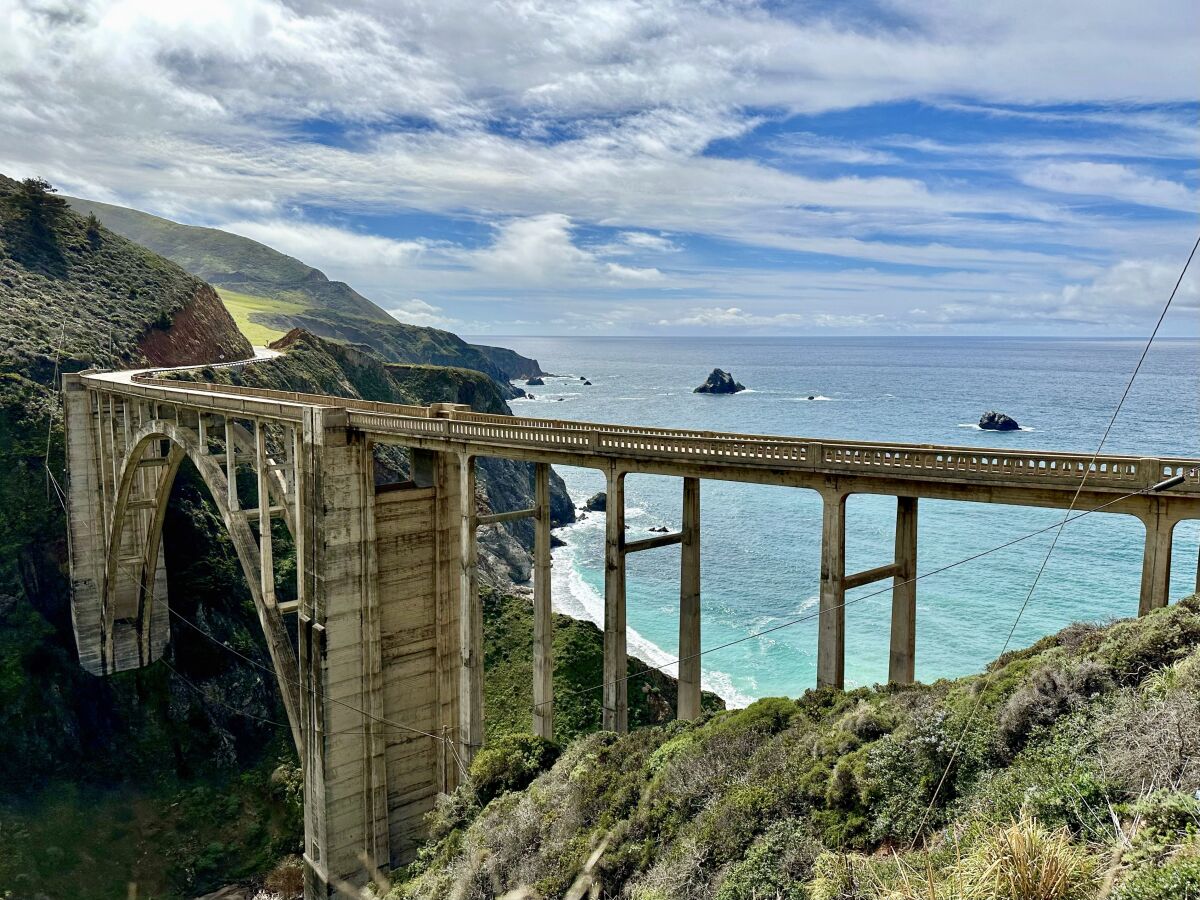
(270, 670)
(199, 690)
(1054, 543)
(809, 616)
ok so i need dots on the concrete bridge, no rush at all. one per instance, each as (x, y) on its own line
(383, 683)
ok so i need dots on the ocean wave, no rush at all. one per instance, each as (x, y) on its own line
(573, 596)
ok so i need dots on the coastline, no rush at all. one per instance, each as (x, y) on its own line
(573, 596)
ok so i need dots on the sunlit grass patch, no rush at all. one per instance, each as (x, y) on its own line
(247, 308)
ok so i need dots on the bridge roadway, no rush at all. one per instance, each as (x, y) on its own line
(388, 620)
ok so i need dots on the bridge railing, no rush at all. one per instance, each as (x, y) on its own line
(963, 464)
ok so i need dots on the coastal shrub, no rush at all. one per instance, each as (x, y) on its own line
(776, 867)
(1148, 740)
(902, 770)
(1056, 779)
(510, 763)
(286, 880)
(1050, 693)
(1179, 879)
(1167, 822)
(1136, 647)
(1027, 861)
(451, 811)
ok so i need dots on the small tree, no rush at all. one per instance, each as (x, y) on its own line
(35, 203)
(93, 230)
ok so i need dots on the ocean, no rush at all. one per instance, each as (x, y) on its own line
(761, 545)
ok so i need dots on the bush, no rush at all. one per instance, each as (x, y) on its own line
(776, 866)
(1137, 647)
(286, 880)
(1049, 694)
(510, 763)
(1177, 880)
(1167, 820)
(1026, 861)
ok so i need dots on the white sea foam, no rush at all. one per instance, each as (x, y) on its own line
(974, 426)
(573, 596)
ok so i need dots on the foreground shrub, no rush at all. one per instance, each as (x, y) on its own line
(510, 763)
(1027, 861)
(776, 867)
(1177, 880)
(1049, 694)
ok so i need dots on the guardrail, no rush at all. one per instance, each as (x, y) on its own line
(455, 425)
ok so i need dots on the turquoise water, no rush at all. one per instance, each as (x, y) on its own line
(760, 545)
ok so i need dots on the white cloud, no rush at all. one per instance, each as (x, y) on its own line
(546, 121)
(1113, 180)
(735, 318)
(539, 250)
(417, 312)
(324, 246)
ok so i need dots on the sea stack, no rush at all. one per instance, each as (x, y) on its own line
(597, 502)
(998, 421)
(535, 381)
(719, 382)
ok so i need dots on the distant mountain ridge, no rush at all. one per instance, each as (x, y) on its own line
(271, 293)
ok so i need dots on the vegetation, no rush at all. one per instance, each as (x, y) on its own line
(1076, 777)
(249, 311)
(270, 293)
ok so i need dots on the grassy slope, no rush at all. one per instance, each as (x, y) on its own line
(248, 311)
(1090, 740)
(274, 293)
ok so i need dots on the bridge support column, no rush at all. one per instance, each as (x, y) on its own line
(345, 784)
(1156, 559)
(616, 666)
(471, 733)
(543, 613)
(85, 522)
(902, 660)
(831, 630)
(689, 603)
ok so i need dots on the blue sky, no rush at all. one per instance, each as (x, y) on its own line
(645, 166)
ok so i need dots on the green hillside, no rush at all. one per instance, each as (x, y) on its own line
(1077, 777)
(270, 293)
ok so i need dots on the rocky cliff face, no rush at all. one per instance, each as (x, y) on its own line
(315, 364)
(200, 331)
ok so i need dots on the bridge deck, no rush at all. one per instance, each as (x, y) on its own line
(782, 459)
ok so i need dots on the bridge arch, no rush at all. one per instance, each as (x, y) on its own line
(134, 537)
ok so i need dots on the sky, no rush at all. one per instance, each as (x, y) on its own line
(719, 167)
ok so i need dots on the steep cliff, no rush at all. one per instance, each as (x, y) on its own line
(87, 759)
(317, 365)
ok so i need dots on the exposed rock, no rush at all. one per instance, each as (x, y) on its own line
(558, 399)
(535, 382)
(812, 396)
(530, 396)
(997, 421)
(719, 382)
(597, 502)
(587, 383)
(556, 541)
(660, 529)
